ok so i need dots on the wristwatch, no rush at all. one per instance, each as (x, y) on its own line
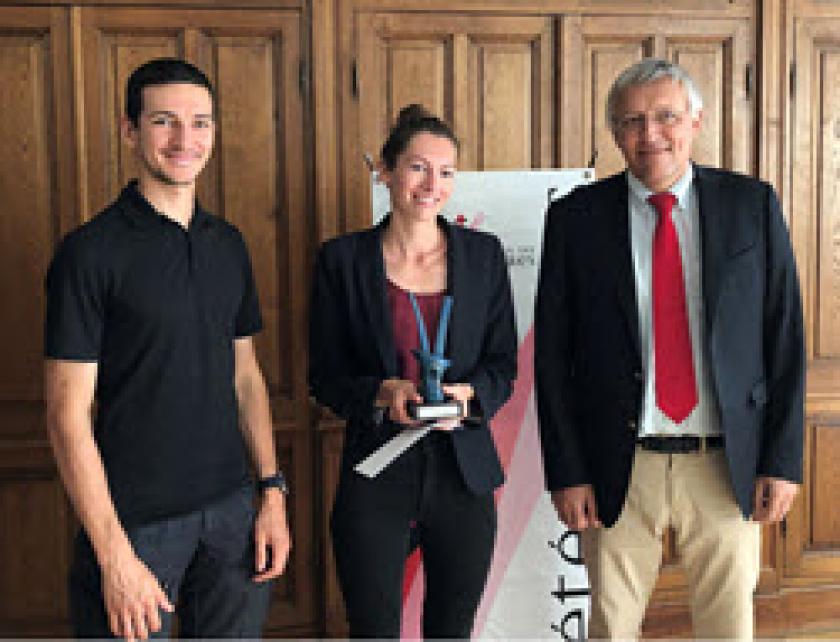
(277, 480)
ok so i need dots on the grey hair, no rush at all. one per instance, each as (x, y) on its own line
(645, 71)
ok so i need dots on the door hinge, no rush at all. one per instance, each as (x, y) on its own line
(303, 77)
(354, 80)
(749, 80)
(792, 79)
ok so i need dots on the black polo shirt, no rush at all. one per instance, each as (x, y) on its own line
(158, 307)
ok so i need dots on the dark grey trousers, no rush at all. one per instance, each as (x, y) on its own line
(204, 560)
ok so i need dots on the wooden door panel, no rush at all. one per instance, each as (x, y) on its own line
(25, 185)
(35, 540)
(293, 611)
(330, 445)
(257, 179)
(110, 55)
(813, 526)
(591, 60)
(33, 203)
(706, 65)
(38, 204)
(503, 113)
(717, 53)
(417, 71)
(259, 189)
(812, 546)
(719, 58)
(827, 321)
(825, 531)
(490, 77)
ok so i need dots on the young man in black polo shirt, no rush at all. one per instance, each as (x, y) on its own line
(151, 307)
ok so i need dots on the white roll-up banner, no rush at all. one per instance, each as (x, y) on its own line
(537, 587)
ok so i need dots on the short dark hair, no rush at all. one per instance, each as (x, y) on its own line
(412, 120)
(161, 71)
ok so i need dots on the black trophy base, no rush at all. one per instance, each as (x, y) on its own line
(433, 411)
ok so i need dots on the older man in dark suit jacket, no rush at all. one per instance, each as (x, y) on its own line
(669, 364)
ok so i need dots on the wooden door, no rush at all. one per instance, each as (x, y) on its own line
(812, 542)
(37, 205)
(256, 178)
(717, 53)
(490, 77)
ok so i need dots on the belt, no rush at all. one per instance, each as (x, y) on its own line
(680, 443)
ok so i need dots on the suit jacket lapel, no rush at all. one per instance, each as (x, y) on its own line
(616, 210)
(374, 294)
(457, 288)
(712, 241)
(725, 233)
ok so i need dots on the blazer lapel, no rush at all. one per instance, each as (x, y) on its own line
(712, 248)
(725, 233)
(617, 210)
(374, 294)
(457, 288)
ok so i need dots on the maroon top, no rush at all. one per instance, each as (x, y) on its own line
(406, 336)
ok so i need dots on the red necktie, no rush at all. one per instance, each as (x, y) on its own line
(676, 387)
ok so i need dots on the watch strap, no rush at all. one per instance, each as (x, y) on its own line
(277, 480)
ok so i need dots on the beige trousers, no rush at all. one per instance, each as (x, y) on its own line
(718, 549)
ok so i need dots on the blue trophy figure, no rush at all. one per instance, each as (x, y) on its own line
(432, 366)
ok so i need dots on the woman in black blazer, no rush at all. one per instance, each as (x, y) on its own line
(438, 493)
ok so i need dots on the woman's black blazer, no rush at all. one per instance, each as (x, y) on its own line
(351, 341)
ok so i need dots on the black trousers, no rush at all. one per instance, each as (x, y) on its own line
(203, 560)
(420, 498)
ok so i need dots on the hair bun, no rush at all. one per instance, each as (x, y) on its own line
(413, 119)
(413, 113)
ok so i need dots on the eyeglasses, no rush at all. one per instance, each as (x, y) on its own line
(664, 118)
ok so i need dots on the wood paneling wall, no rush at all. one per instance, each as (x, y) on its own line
(37, 190)
(812, 545)
(718, 53)
(306, 87)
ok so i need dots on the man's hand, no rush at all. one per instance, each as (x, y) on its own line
(576, 507)
(271, 532)
(271, 536)
(773, 498)
(132, 596)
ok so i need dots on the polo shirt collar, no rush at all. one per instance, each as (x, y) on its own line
(141, 213)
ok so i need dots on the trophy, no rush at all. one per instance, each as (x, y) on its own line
(432, 366)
